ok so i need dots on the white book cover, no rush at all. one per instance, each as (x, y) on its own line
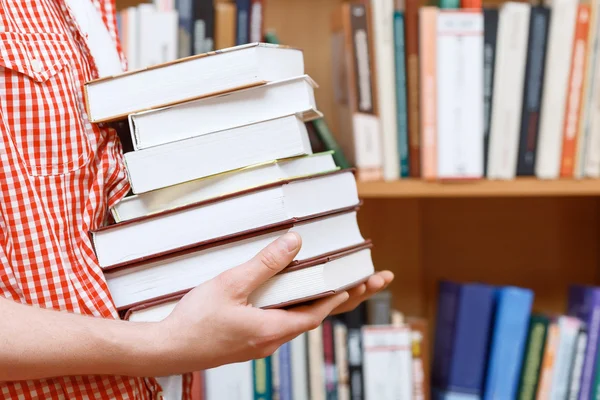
(316, 364)
(230, 381)
(299, 364)
(387, 364)
(590, 166)
(157, 36)
(554, 97)
(383, 31)
(460, 94)
(567, 345)
(511, 56)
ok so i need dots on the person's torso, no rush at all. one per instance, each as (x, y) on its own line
(58, 175)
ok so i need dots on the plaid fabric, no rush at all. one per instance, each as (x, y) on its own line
(58, 175)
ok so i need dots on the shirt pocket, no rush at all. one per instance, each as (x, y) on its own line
(41, 102)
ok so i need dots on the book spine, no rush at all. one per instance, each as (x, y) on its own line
(490, 16)
(326, 136)
(256, 25)
(242, 25)
(285, 372)
(411, 33)
(316, 365)
(329, 361)
(340, 333)
(575, 91)
(448, 298)
(547, 368)
(262, 379)
(420, 359)
(532, 362)
(185, 31)
(354, 321)
(569, 329)
(204, 26)
(401, 99)
(532, 94)
(427, 60)
(575, 377)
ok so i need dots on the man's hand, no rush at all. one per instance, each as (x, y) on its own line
(211, 326)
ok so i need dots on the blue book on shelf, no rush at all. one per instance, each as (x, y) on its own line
(511, 322)
(401, 101)
(584, 303)
(461, 341)
(242, 20)
(285, 372)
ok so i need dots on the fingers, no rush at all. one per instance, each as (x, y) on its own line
(271, 260)
(299, 319)
(373, 285)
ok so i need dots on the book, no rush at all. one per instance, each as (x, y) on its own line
(401, 87)
(421, 379)
(532, 359)
(214, 186)
(459, 76)
(509, 72)
(299, 367)
(556, 75)
(511, 320)
(387, 362)
(215, 153)
(281, 202)
(568, 332)
(242, 107)
(230, 381)
(490, 33)
(113, 98)
(177, 273)
(263, 378)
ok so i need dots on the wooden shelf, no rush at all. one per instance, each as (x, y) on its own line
(522, 187)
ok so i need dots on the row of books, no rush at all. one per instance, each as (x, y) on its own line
(490, 344)
(217, 172)
(370, 353)
(454, 91)
(160, 31)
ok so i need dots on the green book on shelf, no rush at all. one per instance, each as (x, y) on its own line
(532, 361)
(263, 384)
(449, 4)
(327, 138)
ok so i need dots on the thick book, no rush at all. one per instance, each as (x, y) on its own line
(243, 107)
(387, 362)
(115, 97)
(325, 254)
(214, 186)
(584, 303)
(178, 162)
(459, 75)
(511, 320)
(509, 73)
(490, 34)
(532, 359)
(284, 201)
(539, 22)
(556, 76)
(463, 330)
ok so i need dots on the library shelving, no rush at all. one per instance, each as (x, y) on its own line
(543, 235)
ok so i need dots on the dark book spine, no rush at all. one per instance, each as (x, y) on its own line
(204, 26)
(533, 86)
(411, 35)
(490, 32)
(532, 362)
(448, 301)
(354, 320)
(329, 361)
(185, 30)
(242, 23)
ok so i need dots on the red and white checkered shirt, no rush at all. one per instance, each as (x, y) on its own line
(58, 175)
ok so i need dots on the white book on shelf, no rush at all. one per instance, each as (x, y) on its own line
(199, 157)
(511, 52)
(383, 43)
(387, 362)
(333, 256)
(460, 94)
(230, 381)
(299, 365)
(189, 78)
(156, 201)
(340, 335)
(157, 35)
(256, 209)
(591, 159)
(243, 107)
(316, 364)
(554, 97)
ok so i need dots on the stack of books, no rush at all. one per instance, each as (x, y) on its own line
(221, 165)
(491, 343)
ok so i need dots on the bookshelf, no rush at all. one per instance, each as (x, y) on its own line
(539, 234)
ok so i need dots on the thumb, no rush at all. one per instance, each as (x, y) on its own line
(271, 260)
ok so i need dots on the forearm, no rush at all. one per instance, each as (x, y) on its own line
(37, 343)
